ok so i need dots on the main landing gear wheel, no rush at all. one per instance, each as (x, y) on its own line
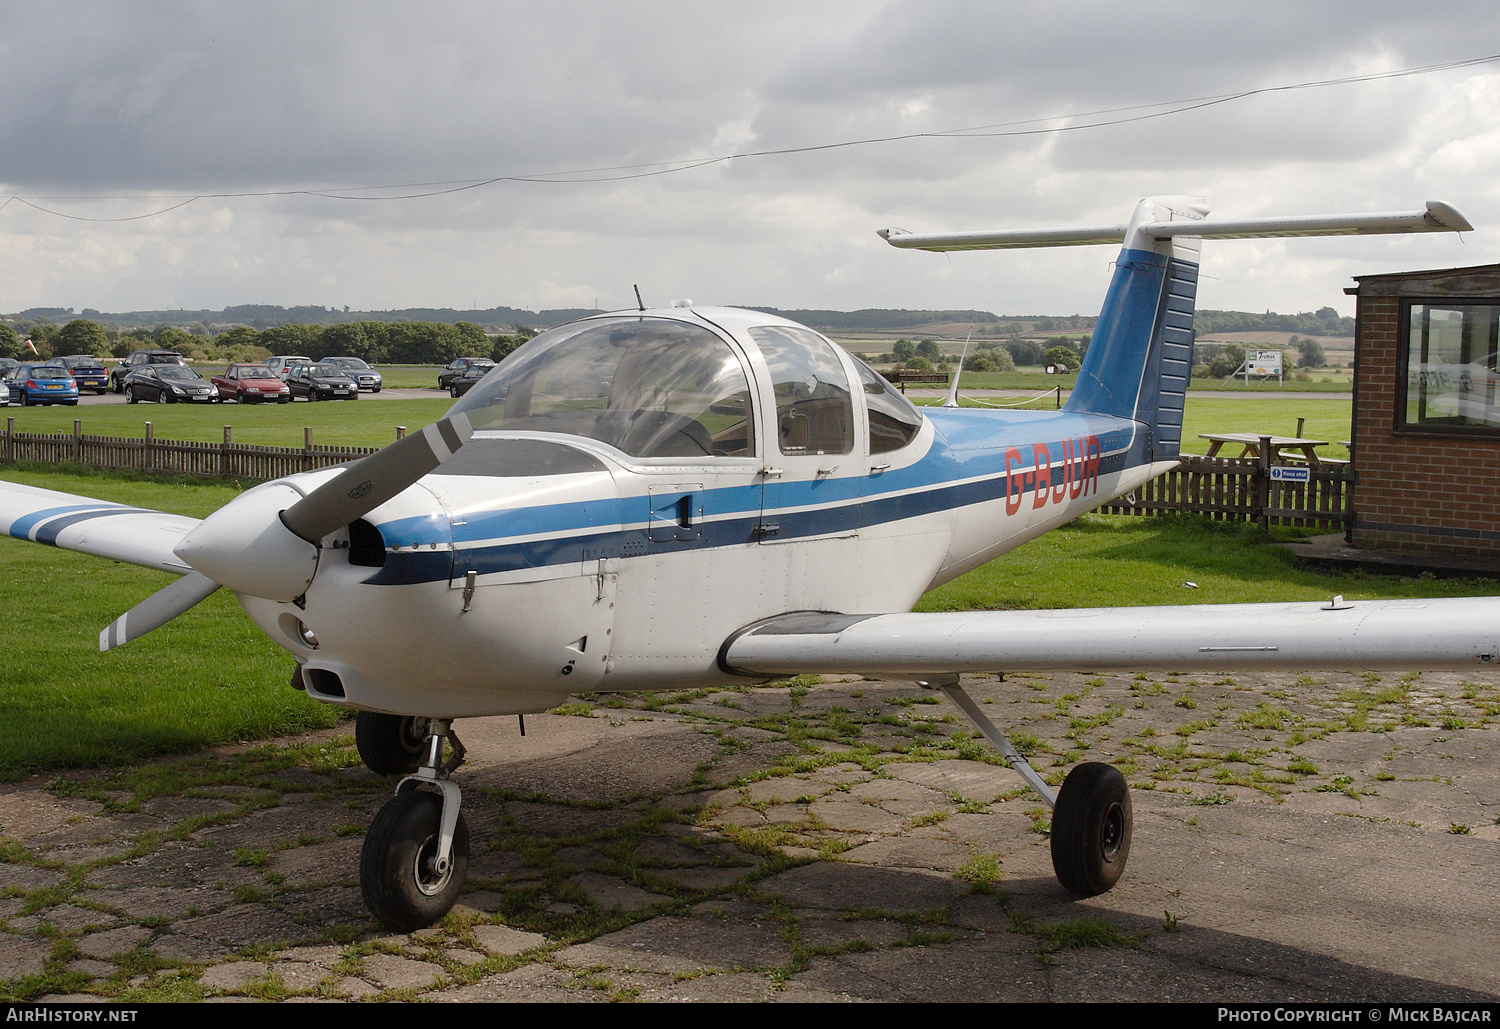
(390, 744)
(1091, 829)
(396, 866)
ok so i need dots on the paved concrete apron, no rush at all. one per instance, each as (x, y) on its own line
(1328, 837)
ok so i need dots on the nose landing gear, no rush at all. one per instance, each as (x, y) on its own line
(415, 858)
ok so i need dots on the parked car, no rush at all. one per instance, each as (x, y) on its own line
(8, 365)
(251, 384)
(322, 381)
(34, 384)
(141, 359)
(367, 377)
(87, 370)
(281, 365)
(460, 385)
(168, 384)
(457, 367)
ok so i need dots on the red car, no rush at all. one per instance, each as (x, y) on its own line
(251, 384)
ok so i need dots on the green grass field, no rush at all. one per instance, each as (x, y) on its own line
(210, 677)
(362, 423)
(372, 423)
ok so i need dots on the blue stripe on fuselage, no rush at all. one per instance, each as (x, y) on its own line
(970, 445)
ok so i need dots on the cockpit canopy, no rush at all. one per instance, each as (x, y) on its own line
(665, 387)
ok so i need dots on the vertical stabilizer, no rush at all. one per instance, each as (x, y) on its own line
(1141, 355)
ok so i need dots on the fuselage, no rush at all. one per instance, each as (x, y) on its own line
(535, 564)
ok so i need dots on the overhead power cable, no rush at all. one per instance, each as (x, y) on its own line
(1073, 122)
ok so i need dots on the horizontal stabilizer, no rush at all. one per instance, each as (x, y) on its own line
(1435, 217)
(1374, 634)
(135, 535)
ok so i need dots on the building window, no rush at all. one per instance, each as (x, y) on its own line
(1449, 355)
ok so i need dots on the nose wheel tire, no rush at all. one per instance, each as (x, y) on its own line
(1091, 827)
(390, 744)
(396, 866)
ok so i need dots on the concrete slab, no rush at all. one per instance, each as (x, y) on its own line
(1250, 877)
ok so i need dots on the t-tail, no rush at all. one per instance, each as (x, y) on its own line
(1140, 359)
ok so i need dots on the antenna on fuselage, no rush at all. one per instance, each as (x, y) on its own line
(638, 301)
(952, 400)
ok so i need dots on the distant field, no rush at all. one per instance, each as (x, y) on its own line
(357, 423)
(373, 424)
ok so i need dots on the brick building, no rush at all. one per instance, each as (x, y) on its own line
(1427, 411)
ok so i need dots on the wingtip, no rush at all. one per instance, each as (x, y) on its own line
(1446, 216)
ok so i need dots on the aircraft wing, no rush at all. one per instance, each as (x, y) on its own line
(1460, 633)
(135, 535)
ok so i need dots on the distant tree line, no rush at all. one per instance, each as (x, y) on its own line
(376, 342)
(1325, 321)
(990, 356)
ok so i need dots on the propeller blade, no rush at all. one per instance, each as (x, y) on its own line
(373, 480)
(157, 610)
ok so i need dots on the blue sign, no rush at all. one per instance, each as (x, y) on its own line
(1289, 473)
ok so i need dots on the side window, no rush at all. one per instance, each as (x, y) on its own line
(1452, 356)
(894, 420)
(814, 411)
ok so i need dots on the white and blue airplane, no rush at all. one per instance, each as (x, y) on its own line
(691, 496)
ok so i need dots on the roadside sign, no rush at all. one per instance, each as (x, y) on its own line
(1290, 473)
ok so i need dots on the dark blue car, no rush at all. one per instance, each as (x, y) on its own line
(88, 371)
(33, 384)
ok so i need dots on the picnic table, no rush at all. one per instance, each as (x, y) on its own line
(1282, 447)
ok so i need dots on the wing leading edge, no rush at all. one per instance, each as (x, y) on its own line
(1460, 633)
(135, 535)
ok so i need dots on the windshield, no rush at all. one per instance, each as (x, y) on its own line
(350, 362)
(328, 369)
(166, 359)
(86, 363)
(177, 372)
(651, 387)
(49, 372)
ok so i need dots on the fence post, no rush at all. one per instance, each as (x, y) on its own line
(10, 440)
(307, 448)
(78, 440)
(150, 448)
(224, 451)
(1265, 482)
(400, 432)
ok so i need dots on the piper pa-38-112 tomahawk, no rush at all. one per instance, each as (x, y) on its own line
(695, 496)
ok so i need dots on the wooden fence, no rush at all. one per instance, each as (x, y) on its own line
(1227, 489)
(1216, 487)
(185, 457)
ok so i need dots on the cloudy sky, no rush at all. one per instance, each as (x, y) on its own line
(583, 110)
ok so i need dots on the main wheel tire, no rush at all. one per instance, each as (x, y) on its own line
(390, 744)
(161, 396)
(129, 395)
(1091, 827)
(395, 865)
